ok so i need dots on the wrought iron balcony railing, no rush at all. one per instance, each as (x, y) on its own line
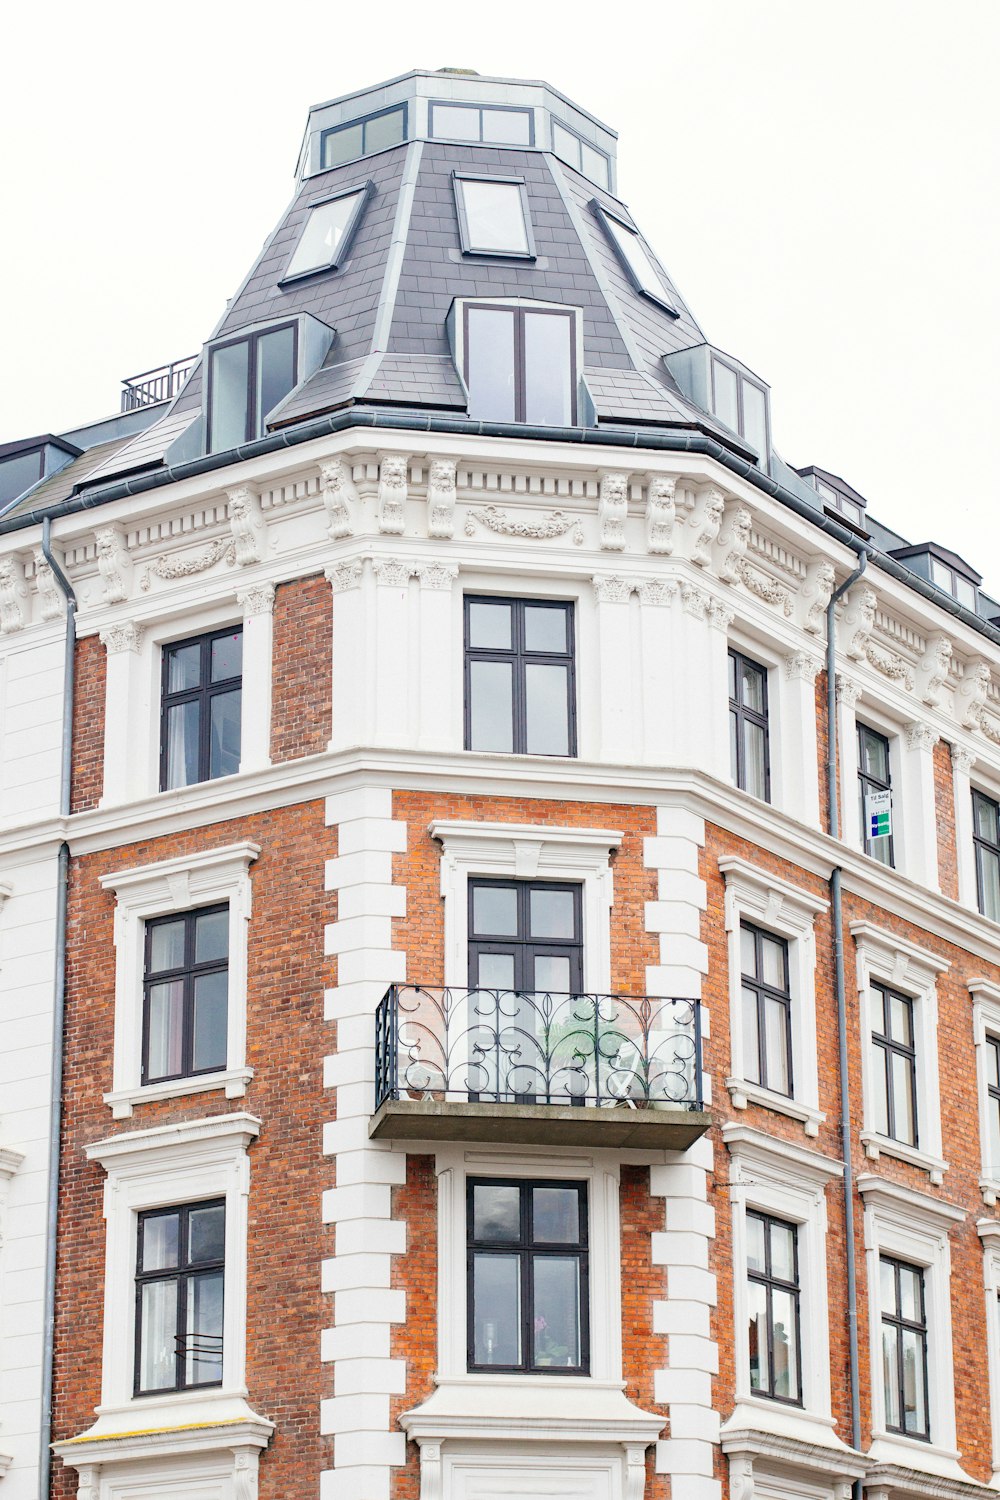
(501, 1047)
(153, 386)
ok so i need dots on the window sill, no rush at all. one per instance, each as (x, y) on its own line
(518, 1408)
(170, 1413)
(233, 1080)
(792, 1438)
(915, 1454)
(990, 1189)
(743, 1093)
(880, 1145)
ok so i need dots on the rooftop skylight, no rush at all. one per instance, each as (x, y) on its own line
(493, 215)
(635, 258)
(328, 232)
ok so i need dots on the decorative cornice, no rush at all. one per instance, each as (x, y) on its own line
(556, 523)
(733, 542)
(393, 489)
(720, 617)
(612, 511)
(848, 691)
(890, 664)
(436, 575)
(705, 519)
(694, 600)
(815, 595)
(765, 587)
(49, 592)
(13, 590)
(223, 549)
(932, 669)
(441, 496)
(340, 497)
(920, 736)
(660, 514)
(392, 572)
(125, 635)
(658, 591)
(962, 759)
(113, 563)
(246, 522)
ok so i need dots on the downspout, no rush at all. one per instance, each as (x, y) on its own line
(836, 904)
(58, 1017)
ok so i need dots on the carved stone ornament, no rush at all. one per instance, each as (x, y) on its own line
(972, 693)
(87, 1482)
(921, 736)
(991, 729)
(49, 593)
(245, 1475)
(734, 539)
(706, 519)
(765, 587)
(932, 669)
(246, 524)
(720, 616)
(611, 588)
(13, 590)
(859, 617)
(635, 1471)
(113, 564)
(258, 599)
(124, 636)
(661, 514)
(741, 1486)
(223, 549)
(612, 511)
(431, 1472)
(344, 575)
(659, 591)
(436, 575)
(801, 667)
(393, 488)
(962, 759)
(340, 497)
(391, 572)
(848, 691)
(816, 594)
(442, 492)
(556, 523)
(890, 664)
(694, 600)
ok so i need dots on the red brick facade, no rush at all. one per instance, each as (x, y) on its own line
(88, 723)
(303, 665)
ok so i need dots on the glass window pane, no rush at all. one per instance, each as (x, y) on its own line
(783, 1252)
(887, 1285)
(565, 144)
(965, 592)
(203, 1345)
(275, 371)
(755, 420)
(166, 1031)
(941, 575)
(183, 667)
(227, 656)
(986, 811)
(989, 879)
(900, 1019)
(914, 1399)
(323, 232)
(548, 393)
(224, 722)
(637, 257)
(556, 1328)
(546, 692)
(183, 721)
(751, 1045)
(724, 382)
(384, 130)
(207, 1233)
(166, 945)
(494, 216)
(993, 1160)
(211, 994)
(890, 1373)
(494, 910)
(754, 760)
(784, 1339)
(510, 127)
(496, 1310)
(496, 1211)
(555, 1215)
(909, 1294)
(495, 972)
(594, 164)
(752, 681)
(160, 1241)
(456, 122)
(851, 511)
(904, 1113)
(157, 1335)
(773, 953)
(544, 629)
(875, 754)
(734, 740)
(211, 936)
(757, 1308)
(755, 1243)
(552, 914)
(491, 706)
(230, 393)
(18, 474)
(880, 1098)
(490, 627)
(748, 953)
(342, 145)
(490, 363)
(776, 1046)
(552, 974)
(992, 1062)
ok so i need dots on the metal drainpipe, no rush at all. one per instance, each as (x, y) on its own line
(58, 1014)
(836, 904)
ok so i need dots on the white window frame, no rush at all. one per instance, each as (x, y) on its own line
(913, 1227)
(989, 1233)
(885, 958)
(523, 851)
(790, 913)
(183, 884)
(777, 1177)
(911, 779)
(985, 1025)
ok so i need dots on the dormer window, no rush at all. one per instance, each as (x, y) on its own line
(327, 233)
(953, 583)
(474, 122)
(520, 364)
(635, 258)
(946, 570)
(578, 153)
(493, 216)
(741, 405)
(836, 495)
(246, 378)
(376, 132)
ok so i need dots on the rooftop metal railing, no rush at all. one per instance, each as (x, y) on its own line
(154, 386)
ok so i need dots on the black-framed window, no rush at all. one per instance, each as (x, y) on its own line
(767, 1010)
(634, 257)
(953, 582)
(329, 228)
(904, 1348)
(186, 994)
(874, 775)
(526, 936)
(19, 472)
(200, 708)
(576, 152)
(993, 1105)
(520, 692)
(492, 125)
(742, 405)
(179, 1297)
(749, 751)
(528, 1263)
(894, 1065)
(493, 215)
(376, 132)
(773, 1308)
(520, 364)
(986, 839)
(247, 377)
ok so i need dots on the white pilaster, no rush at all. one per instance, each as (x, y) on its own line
(799, 748)
(962, 761)
(258, 640)
(353, 656)
(614, 645)
(123, 768)
(848, 694)
(393, 636)
(919, 820)
(437, 666)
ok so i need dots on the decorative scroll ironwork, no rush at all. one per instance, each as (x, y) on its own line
(509, 1047)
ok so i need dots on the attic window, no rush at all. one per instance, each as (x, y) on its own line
(578, 153)
(493, 216)
(952, 582)
(246, 378)
(520, 364)
(362, 137)
(836, 501)
(635, 258)
(327, 233)
(20, 472)
(474, 122)
(741, 405)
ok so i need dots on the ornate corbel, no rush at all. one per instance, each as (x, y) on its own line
(920, 736)
(972, 693)
(49, 593)
(612, 511)
(705, 520)
(734, 539)
(661, 513)
(340, 496)
(801, 667)
(635, 1471)
(442, 492)
(932, 670)
(344, 575)
(113, 563)
(246, 523)
(431, 1472)
(125, 635)
(258, 599)
(393, 488)
(815, 595)
(859, 617)
(437, 576)
(13, 590)
(611, 588)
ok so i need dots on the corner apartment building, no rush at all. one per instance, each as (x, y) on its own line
(513, 871)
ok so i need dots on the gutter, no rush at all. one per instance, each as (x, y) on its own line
(644, 439)
(58, 1021)
(840, 988)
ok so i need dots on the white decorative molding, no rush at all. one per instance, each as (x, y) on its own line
(441, 496)
(973, 691)
(612, 588)
(733, 542)
(991, 729)
(393, 489)
(800, 666)
(815, 595)
(437, 575)
(343, 576)
(694, 600)
(859, 617)
(123, 636)
(340, 497)
(258, 599)
(765, 587)
(890, 664)
(223, 549)
(962, 759)
(720, 617)
(848, 691)
(920, 736)
(660, 514)
(612, 511)
(658, 591)
(113, 563)
(705, 520)
(246, 522)
(13, 590)
(49, 593)
(932, 669)
(393, 572)
(556, 523)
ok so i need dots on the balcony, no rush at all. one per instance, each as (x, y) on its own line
(154, 386)
(550, 1069)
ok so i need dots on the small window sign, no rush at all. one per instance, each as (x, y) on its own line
(878, 814)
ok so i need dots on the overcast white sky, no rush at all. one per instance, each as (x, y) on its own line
(819, 179)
